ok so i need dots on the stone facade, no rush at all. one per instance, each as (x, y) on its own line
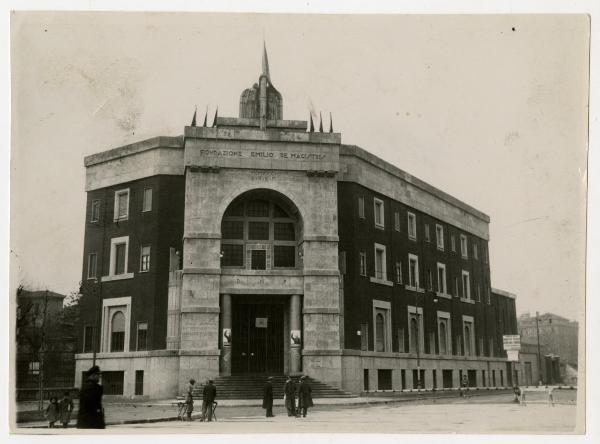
(208, 265)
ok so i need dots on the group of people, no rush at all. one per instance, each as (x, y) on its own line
(209, 394)
(297, 397)
(59, 411)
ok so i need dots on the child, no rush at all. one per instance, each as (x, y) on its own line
(52, 412)
(65, 408)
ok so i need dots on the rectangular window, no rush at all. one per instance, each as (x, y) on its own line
(257, 208)
(258, 230)
(95, 211)
(398, 272)
(147, 201)
(413, 271)
(397, 221)
(88, 339)
(466, 285)
(478, 292)
(401, 347)
(145, 258)
(258, 260)
(379, 213)
(117, 341)
(463, 246)
(475, 252)
(284, 256)
(380, 265)
(363, 263)
(441, 276)
(427, 236)
(139, 382)
(142, 336)
(384, 379)
(453, 243)
(92, 265)
(412, 226)
(429, 280)
(120, 254)
(361, 207)
(364, 337)
(232, 255)
(232, 229)
(121, 211)
(439, 236)
(456, 287)
(112, 382)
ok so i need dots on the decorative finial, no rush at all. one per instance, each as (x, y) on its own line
(215, 119)
(205, 116)
(320, 122)
(330, 123)
(312, 126)
(194, 118)
(265, 62)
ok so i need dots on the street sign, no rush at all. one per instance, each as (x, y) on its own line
(512, 342)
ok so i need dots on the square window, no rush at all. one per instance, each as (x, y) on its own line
(412, 226)
(121, 211)
(361, 207)
(232, 255)
(92, 265)
(397, 221)
(95, 211)
(145, 258)
(363, 263)
(258, 260)
(379, 213)
(232, 229)
(258, 230)
(147, 201)
(284, 256)
(439, 235)
(284, 231)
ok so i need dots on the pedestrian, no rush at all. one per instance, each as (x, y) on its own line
(267, 403)
(91, 414)
(189, 399)
(65, 408)
(304, 397)
(550, 391)
(52, 413)
(289, 396)
(464, 386)
(209, 395)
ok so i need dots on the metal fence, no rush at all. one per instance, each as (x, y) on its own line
(57, 370)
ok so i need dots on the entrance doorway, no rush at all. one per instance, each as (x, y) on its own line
(257, 335)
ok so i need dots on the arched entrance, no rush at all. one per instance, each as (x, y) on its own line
(261, 233)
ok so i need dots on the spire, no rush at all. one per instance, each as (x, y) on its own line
(205, 116)
(312, 126)
(215, 119)
(330, 123)
(320, 122)
(194, 118)
(265, 62)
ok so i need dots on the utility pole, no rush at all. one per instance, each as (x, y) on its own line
(41, 353)
(537, 327)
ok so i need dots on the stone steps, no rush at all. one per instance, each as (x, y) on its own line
(251, 387)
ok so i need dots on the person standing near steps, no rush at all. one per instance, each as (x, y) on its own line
(290, 396)
(209, 395)
(267, 403)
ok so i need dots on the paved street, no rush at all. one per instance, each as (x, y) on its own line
(474, 415)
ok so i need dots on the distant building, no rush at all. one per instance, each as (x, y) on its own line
(40, 321)
(266, 246)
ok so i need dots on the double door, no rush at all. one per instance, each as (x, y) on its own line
(257, 343)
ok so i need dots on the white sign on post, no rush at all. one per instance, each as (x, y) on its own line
(512, 342)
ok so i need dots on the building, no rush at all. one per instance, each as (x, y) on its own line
(46, 344)
(261, 245)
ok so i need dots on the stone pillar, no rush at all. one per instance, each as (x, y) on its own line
(226, 334)
(295, 334)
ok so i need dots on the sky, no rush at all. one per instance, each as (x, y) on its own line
(490, 109)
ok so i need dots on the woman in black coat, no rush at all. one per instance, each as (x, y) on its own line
(268, 397)
(304, 397)
(91, 413)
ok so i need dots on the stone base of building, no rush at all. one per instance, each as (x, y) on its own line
(162, 374)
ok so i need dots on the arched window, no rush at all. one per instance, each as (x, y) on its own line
(117, 332)
(259, 233)
(443, 338)
(379, 333)
(414, 335)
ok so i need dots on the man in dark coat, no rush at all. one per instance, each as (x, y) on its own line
(304, 397)
(209, 393)
(290, 396)
(268, 397)
(91, 413)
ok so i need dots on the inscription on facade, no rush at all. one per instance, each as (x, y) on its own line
(262, 154)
